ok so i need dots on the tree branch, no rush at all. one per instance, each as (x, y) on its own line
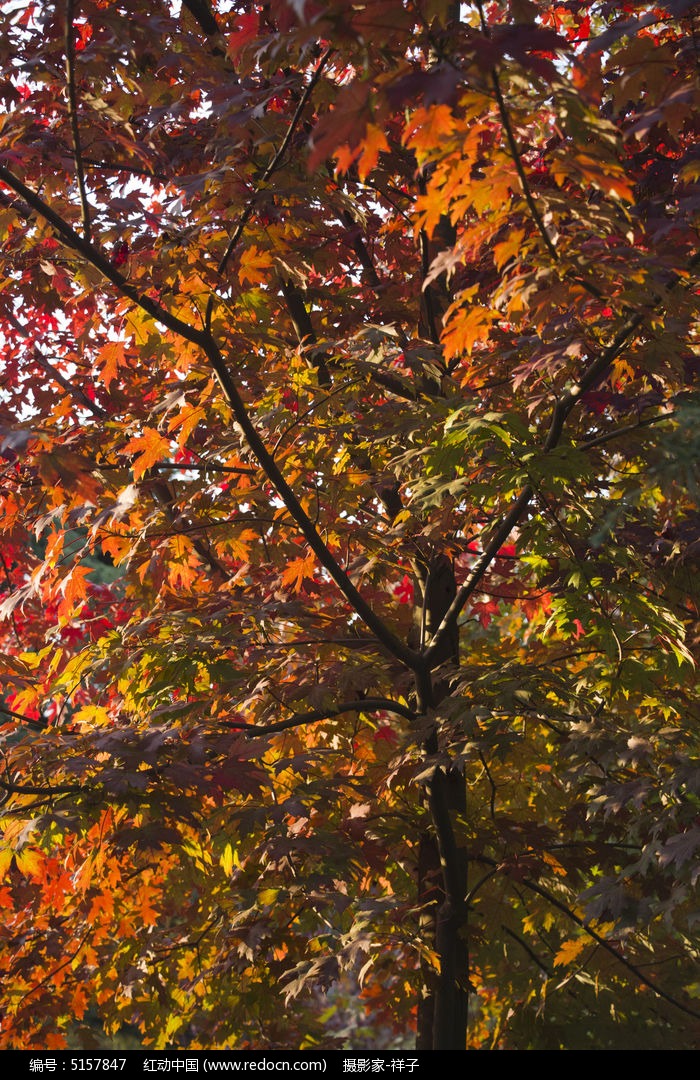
(522, 176)
(36, 724)
(74, 391)
(164, 495)
(588, 929)
(632, 968)
(303, 328)
(73, 240)
(122, 166)
(205, 341)
(562, 409)
(315, 715)
(204, 466)
(366, 262)
(526, 948)
(267, 462)
(517, 161)
(201, 12)
(600, 440)
(513, 146)
(51, 974)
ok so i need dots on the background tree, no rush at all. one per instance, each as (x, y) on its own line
(349, 425)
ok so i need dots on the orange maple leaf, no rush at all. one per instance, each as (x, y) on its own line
(374, 142)
(150, 447)
(102, 904)
(298, 570)
(427, 128)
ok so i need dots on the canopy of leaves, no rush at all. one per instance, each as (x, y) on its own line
(349, 431)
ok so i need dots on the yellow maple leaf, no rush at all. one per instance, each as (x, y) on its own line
(186, 420)
(6, 857)
(140, 324)
(29, 861)
(253, 264)
(429, 209)
(79, 1002)
(226, 860)
(554, 863)
(239, 545)
(119, 547)
(569, 951)
(92, 715)
(148, 913)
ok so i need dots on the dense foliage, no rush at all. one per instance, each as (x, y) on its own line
(349, 426)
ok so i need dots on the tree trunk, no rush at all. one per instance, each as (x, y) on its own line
(442, 878)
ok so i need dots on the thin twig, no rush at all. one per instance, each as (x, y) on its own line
(632, 968)
(600, 440)
(256, 444)
(73, 114)
(122, 166)
(271, 168)
(524, 945)
(517, 161)
(513, 146)
(30, 789)
(522, 176)
(51, 974)
(588, 929)
(74, 391)
(492, 784)
(37, 724)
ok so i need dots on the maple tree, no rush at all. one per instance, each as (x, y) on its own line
(349, 428)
